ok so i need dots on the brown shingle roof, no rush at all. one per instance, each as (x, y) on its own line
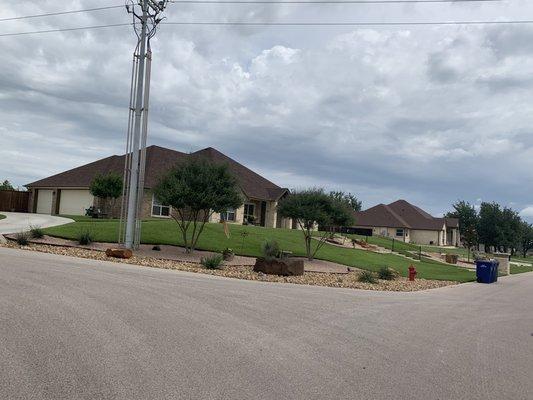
(402, 214)
(159, 160)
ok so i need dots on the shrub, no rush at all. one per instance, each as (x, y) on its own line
(196, 188)
(270, 250)
(22, 238)
(387, 274)
(85, 237)
(212, 262)
(228, 254)
(367, 277)
(36, 232)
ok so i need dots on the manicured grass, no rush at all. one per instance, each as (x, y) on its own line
(528, 259)
(247, 240)
(460, 251)
(2, 216)
(387, 243)
(519, 269)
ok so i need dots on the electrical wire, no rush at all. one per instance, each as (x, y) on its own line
(251, 23)
(51, 14)
(295, 24)
(328, 2)
(64, 29)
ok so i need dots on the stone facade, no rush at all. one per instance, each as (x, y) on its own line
(113, 209)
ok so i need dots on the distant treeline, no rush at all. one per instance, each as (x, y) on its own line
(497, 228)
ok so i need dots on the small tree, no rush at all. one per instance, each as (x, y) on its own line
(6, 185)
(349, 199)
(468, 223)
(196, 189)
(311, 207)
(526, 238)
(107, 187)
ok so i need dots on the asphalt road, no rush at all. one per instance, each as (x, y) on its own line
(80, 329)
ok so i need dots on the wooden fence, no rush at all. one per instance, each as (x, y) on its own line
(13, 200)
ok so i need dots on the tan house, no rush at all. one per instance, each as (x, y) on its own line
(403, 221)
(67, 193)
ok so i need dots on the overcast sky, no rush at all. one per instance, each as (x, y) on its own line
(430, 114)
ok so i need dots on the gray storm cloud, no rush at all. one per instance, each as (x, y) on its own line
(430, 114)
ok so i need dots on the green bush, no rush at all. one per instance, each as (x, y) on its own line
(367, 277)
(270, 249)
(212, 262)
(85, 237)
(387, 274)
(36, 232)
(22, 238)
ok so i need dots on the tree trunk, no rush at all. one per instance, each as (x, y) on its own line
(308, 246)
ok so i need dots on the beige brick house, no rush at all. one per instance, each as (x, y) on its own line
(67, 193)
(403, 221)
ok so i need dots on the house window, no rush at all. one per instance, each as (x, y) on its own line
(158, 209)
(249, 212)
(399, 232)
(228, 215)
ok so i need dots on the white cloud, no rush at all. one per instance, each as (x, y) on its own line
(527, 212)
(432, 114)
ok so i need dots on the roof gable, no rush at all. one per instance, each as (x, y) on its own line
(160, 160)
(402, 214)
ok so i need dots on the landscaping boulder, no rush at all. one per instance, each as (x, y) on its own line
(284, 267)
(119, 253)
(452, 258)
(3, 240)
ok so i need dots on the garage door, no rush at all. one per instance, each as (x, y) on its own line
(44, 201)
(74, 202)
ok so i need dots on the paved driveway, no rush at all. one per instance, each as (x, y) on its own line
(81, 329)
(16, 222)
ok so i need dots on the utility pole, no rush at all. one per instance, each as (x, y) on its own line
(145, 12)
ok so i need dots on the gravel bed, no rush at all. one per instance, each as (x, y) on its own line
(349, 280)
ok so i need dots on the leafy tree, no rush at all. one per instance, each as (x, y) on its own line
(498, 227)
(196, 189)
(468, 223)
(107, 187)
(6, 185)
(350, 199)
(510, 230)
(526, 238)
(313, 207)
(490, 225)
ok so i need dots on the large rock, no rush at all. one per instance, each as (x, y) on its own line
(3, 240)
(451, 258)
(284, 267)
(119, 253)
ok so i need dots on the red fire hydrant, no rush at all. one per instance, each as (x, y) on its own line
(412, 273)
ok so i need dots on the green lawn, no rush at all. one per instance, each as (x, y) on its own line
(387, 243)
(247, 240)
(2, 216)
(528, 259)
(519, 269)
(460, 251)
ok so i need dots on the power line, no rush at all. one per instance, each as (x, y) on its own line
(295, 24)
(64, 29)
(51, 14)
(251, 23)
(328, 2)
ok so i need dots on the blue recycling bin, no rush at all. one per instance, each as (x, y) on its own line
(487, 271)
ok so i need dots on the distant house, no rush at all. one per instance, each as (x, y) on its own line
(408, 223)
(67, 193)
